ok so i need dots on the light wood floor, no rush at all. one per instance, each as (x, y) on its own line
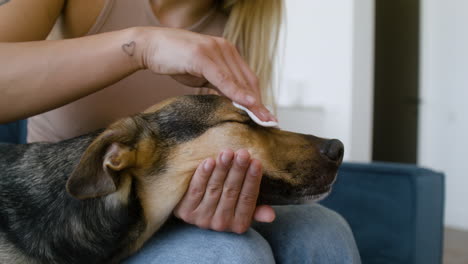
(455, 246)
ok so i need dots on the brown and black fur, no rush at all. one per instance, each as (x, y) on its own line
(97, 198)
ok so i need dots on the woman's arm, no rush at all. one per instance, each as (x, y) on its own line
(37, 76)
(42, 75)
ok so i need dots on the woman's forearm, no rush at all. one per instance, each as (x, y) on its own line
(38, 76)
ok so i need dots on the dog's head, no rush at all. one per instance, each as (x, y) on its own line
(158, 151)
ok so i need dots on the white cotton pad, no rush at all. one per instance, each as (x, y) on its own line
(255, 118)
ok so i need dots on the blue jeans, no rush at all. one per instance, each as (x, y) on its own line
(300, 234)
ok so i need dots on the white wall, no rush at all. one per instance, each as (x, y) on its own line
(326, 85)
(443, 139)
(363, 81)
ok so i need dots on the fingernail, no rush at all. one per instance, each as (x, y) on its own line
(242, 160)
(255, 169)
(226, 158)
(208, 165)
(272, 117)
(269, 218)
(265, 115)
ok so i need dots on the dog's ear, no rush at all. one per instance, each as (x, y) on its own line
(111, 152)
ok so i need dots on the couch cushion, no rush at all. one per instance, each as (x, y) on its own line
(14, 132)
(394, 210)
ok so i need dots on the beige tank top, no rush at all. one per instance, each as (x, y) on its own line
(130, 95)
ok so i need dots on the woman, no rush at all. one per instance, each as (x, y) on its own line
(112, 58)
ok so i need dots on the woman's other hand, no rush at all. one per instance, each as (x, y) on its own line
(222, 194)
(201, 60)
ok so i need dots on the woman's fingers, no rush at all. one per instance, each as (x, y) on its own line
(252, 81)
(196, 190)
(214, 189)
(225, 210)
(225, 82)
(228, 86)
(244, 71)
(177, 52)
(228, 53)
(243, 77)
(264, 213)
(247, 201)
(222, 195)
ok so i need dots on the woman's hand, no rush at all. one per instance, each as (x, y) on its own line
(223, 194)
(201, 60)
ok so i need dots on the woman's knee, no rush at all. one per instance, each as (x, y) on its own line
(188, 244)
(249, 247)
(310, 232)
(336, 240)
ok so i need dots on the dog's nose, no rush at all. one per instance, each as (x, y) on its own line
(333, 149)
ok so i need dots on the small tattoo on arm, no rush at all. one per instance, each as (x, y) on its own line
(4, 2)
(128, 48)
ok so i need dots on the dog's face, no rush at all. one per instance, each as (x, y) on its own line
(159, 150)
(296, 166)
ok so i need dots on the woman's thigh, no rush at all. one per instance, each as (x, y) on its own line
(309, 234)
(178, 242)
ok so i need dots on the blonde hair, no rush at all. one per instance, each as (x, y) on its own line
(254, 27)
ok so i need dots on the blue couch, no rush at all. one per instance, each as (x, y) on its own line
(13, 132)
(395, 211)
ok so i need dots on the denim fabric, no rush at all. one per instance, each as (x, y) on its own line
(300, 234)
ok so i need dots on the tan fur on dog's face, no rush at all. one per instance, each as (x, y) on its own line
(294, 169)
(161, 148)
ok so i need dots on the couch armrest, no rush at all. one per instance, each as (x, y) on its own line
(395, 211)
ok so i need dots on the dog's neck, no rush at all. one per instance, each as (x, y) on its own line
(43, 220)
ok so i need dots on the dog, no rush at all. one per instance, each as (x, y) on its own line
(98, 197)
